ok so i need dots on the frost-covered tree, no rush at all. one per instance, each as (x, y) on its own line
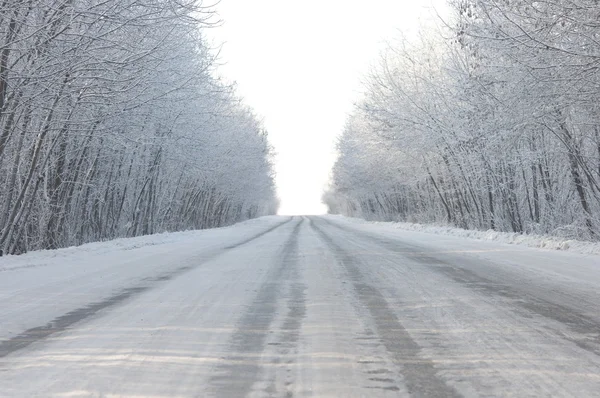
(112, 124)
(490, 122)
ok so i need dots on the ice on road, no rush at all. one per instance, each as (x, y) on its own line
(300, 306)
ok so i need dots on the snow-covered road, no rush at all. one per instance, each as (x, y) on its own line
(303, 306)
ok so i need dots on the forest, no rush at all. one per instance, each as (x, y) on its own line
(114, 123)
(489, 120)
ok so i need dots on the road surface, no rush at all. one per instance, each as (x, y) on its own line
(300, 307)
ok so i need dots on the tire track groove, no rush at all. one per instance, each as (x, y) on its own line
(419, 373)
(241, 370)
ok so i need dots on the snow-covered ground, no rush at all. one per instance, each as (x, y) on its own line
(530, 240)
(39, 286)
(202, 237)
(320, 306)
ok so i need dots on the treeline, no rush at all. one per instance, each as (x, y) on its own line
(113, 124)
(491, 122)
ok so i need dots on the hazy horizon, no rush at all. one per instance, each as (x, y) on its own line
(300, 70)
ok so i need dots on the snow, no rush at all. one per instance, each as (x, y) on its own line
(39, 286)
(39, 258)
(162, 342)
(550, 271)
(529, 240)
(325, 306)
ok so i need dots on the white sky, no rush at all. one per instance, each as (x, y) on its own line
(299, 65)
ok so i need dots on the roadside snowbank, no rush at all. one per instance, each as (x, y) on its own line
(45, 257)
(536, 241)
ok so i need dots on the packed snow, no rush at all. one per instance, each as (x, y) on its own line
(255, 310)
(39, 286)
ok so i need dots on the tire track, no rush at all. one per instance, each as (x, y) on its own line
(419, 373)
(240, 370)
(288, 337)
